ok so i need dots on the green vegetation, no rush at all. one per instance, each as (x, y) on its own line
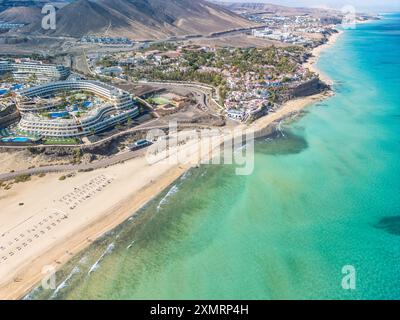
(62, 178)
(106, 62)
(210, 78)
(129, 121)
(22, 178)
(158, 101)
(6, 77)
(284, 60)
(61, 141)
(32, 78)
(36, 150)
(163, 46)
(8, 186)
(201, 66)
(223, 91)
(78, 155)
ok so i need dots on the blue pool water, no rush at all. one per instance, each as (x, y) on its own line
(17, 86)
(59, 114)
(16, 139)
(87, 104)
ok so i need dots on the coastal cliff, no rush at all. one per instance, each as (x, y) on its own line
(311, 87)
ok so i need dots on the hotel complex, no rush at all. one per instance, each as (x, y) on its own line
(25, 70)
(119, 106)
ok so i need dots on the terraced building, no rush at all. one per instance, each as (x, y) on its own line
(119, 106)
(26, 71)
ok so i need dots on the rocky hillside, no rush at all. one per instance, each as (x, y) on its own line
(141, 19)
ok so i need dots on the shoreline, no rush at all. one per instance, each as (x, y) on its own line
(311, 63)
(111, 206)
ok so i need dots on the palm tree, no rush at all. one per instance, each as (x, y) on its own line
(129, 121)
(32, 78)
(7, 77)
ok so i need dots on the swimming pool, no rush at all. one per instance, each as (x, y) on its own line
(87, 104)
(17, 86)
(16, 139)
(58, 114)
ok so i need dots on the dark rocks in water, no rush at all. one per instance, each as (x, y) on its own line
(390, 225)
(281, 143)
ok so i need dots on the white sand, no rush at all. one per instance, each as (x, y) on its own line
(35, 237)
(311, 63)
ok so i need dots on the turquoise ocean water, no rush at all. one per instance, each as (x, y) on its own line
(325, 193)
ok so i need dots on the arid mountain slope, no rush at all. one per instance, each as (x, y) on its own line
(141, 19)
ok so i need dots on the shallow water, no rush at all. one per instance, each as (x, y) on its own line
(324, 194)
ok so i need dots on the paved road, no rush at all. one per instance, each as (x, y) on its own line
(204, 99)
(202, 91)
(95, 165)
(78, 167)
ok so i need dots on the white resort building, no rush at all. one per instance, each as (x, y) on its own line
(119, 106)
(235, 114)
(24, 71)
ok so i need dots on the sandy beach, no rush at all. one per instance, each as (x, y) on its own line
(316, 52)
(45, 221)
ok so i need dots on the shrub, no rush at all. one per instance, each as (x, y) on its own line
(22, 178)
